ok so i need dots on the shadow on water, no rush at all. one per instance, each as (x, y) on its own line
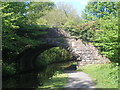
(71, 67)
(35, 78)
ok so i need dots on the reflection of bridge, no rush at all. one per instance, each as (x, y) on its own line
(84, 52)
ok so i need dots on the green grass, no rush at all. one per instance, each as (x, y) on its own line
(74, 63)
(58, 80)
(105, 75)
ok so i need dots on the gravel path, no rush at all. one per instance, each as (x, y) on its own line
(79, 80)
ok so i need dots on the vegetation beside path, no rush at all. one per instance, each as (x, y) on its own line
(58, 80)
(104, 75)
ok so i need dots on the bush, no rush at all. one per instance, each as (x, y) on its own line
(8, 69)
(83, 30)
(107, 38)
(55, 54)
(58, 80)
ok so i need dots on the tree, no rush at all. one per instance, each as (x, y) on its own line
(38, 9)
(106, 36)
(18, 33)
(99, 10)
(61, 14)
(12, 17)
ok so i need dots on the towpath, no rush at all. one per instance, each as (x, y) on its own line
(79, 79)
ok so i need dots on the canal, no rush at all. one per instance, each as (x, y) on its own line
(34, 79)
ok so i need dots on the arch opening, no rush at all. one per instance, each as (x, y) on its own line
(31, 58)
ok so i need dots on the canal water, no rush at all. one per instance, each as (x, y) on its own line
(33, 79)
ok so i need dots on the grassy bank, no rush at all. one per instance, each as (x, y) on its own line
(105, 75)
(58, 80)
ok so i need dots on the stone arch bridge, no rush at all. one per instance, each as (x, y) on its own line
(85, 53)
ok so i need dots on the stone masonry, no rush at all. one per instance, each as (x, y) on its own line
(85, 53)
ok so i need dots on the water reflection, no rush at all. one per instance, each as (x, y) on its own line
(33, 79)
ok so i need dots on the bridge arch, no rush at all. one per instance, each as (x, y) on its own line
(85, 53)
(28, 57)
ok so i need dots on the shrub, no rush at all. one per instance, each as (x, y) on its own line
(8, 69)
(55, 54)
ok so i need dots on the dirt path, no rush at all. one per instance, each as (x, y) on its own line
(79, 80)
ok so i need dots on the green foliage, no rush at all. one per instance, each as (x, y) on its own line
(103, 30)
(69, 23)
(107, 38)
(42, 21)
(106, 32)
(82, 30)
(56, 54)
(38, 9)
(9, 69)
(18, 30)
(104, 75)
(104, 10)
(58, 80)
(12, 17)
(61, 14)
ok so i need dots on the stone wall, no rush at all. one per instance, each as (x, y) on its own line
(85, 53)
